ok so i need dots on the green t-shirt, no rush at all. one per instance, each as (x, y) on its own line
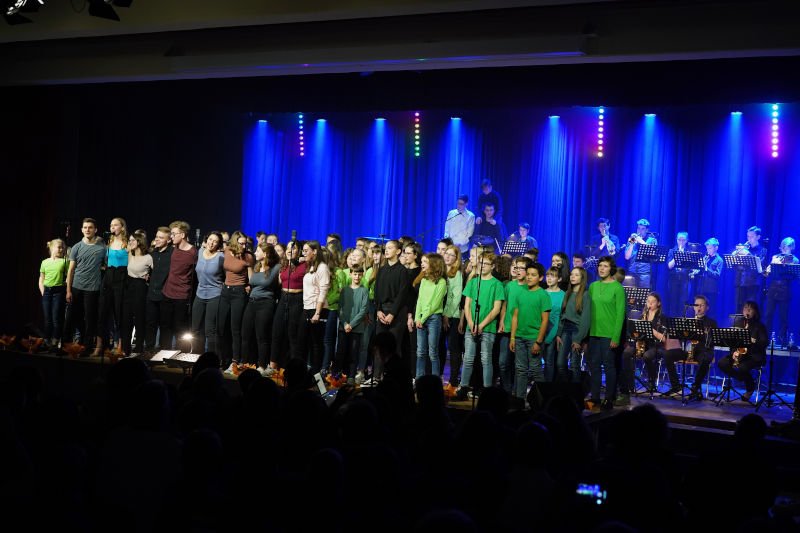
(531, 305)
(608, 309)
(491, 292)
(55, 271)
(512, 289)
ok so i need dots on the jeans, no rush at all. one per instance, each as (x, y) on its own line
(257, 320)
(550, 352)
(602, 356)
(566, 353)
(54, 300)
(526, 365)
(470, 345)
(232, 303)
(506, 361)
(204, 324)
(428, 344)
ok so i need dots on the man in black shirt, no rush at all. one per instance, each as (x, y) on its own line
(392, 286)
(162, 254)
(748, 282)
(489, 196)
(702, 353)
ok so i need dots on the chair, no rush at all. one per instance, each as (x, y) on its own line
(760, 371)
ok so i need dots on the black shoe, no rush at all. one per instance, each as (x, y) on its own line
(607, 405)
(676, 389)
(747, 395)
(695, 394)
(462, 394)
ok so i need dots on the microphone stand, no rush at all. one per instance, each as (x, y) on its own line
(476, 319)
(767, 398)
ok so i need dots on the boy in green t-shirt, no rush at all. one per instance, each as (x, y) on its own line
(528, 329)
(489, 294)
(518, 283)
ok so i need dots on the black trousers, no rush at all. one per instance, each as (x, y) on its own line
(703, 359)
(286, 327)
(257, 325)
(109, 319)
(348, 348)
(399, 329)
(312, 335)
(82, 314)
(205, 317)
(744, 372)
(455, 347)
(174, 322)
(232, 303)
(134, 311)
(153, 319)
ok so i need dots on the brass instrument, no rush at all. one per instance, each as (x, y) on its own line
(640, 348)
(633, 237)
(736, 356)
(742, 249)
(610, 248)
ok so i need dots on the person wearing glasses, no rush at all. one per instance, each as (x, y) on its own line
(702, 352)
(178, 287)
(460, 224)
(238, 265)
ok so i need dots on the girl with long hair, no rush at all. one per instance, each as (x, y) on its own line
(576, 317)
(260, 311)
(134, 307)
(452, 310)
(238, 265)
(316, 284)
(210, 272)
(428, 312)
(113, 287)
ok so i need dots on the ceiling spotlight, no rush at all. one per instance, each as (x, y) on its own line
(104, 8)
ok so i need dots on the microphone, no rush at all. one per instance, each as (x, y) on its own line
(197, 236)
(294, 235)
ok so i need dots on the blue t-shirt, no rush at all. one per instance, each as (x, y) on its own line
(117, 258)
(210, 276)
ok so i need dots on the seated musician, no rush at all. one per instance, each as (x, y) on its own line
(492, 229)
(702, 353)
(650, 350)
(523, 235)
(741, 360)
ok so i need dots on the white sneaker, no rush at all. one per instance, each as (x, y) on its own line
(229, 370)
(371, 382)
(268, 372)
(359, 377)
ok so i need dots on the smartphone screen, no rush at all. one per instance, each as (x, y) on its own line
(592, 491)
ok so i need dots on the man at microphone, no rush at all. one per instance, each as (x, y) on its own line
(460, 224)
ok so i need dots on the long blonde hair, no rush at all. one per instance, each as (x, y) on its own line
(435, 270)
(123, 234)
(578, 294)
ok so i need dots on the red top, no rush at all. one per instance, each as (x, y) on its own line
(181, 269)
(236, 269)
(296, 281)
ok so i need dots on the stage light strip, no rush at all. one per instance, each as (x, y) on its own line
(301, 135)
(775, 145)
(417, 136)
(601, 125)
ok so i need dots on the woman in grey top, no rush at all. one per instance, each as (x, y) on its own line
(210, 276)
(260, 310)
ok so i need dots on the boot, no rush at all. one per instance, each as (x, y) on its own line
(98, 348)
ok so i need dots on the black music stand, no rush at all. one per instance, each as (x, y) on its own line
(730, 337)
(591, 263)
(651, 253)
(514, 248)
(692, 260)
(742, 262)
(785, 271)
(767, 397)
(641, 330)
(636, 297)
(685, 329)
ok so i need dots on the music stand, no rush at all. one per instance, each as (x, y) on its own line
(742, 262)
(591, 263)
(685, 329)
(692, 260)
(784, 271)
(651, 253)
(730, 337)
(767, 397)
(636, 296)
(514, 248)
(641, 330)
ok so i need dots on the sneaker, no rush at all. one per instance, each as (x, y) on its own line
(269, 372)
(359, 377)
(607, 405)
(232, 370)
(462, 394)
(369, 383)
(623, 400)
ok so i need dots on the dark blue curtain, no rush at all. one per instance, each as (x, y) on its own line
(704, 170)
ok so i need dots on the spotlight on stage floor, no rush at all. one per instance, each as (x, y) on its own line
(104, 8)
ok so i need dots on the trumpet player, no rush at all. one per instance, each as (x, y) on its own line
(707, 279)
(678, 277)
(748, 282)
(605, 243)
(741, 360)
(778, 288)
(641, 271)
